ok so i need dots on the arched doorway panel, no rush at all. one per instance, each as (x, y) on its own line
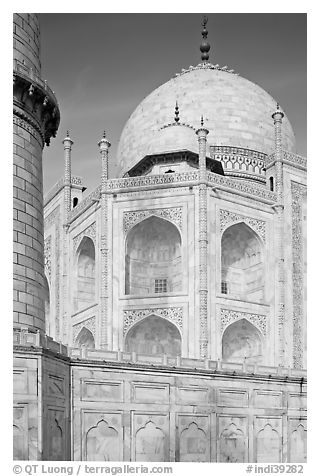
(242, 263)
(85, 294)
(241, 342)
(154, 335)
(153, 258)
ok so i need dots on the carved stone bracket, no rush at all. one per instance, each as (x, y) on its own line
(172, 214)
(227, 218)
(90, 232)
(47, 256)
(173, 314)
(89, 324)
(298, 195)
(228, 316)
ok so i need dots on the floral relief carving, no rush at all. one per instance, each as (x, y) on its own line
(90, 324)
(228, 316)
(173, 314)
(227, 218)
(298, 195)
(172, 214)
(54, 219)
(90, 231)
(47, 256)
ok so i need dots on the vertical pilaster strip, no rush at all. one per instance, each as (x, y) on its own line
(104, 145)
(279, 207)
(63, 328)
(203, 241)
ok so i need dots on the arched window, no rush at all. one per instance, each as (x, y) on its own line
(85, 339)
(154, 335)
(47, 307)
(153, 258)
(242, 341)
(242, 272)
(75, 202)
(85, 294)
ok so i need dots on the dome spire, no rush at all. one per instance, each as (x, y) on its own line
(176, 113)
(205, 46)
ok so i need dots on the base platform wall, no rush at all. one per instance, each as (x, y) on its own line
(82, 409)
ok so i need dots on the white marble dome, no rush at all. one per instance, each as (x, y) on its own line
(236, 111)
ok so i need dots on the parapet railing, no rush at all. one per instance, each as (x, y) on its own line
(20, 68)
(288, 158)
(25, 338)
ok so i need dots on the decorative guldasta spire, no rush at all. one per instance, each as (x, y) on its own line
(277, 117)
(104, 146)
(67, 145)
(205, 46)
(202, 133)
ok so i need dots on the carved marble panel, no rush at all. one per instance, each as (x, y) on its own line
(173, 214)
(194, 438)
(47, 256)
(298, 192)
(103, 440)
(199, 395)
(268, 439)
(227, 316)
(228, 218)
(56, 435)
(233, 439)
(103, 390)
(89, 324)
(20, 435)
(90, 232)
(297, 441)
(130, 317)
(231, 397)
(150, 393)
(151, 437)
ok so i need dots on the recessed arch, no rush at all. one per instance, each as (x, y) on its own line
(85, 274)
(47, 306)
(241, 341)
(153, 335)
(85, 339)
(242, 267)
(153, 257)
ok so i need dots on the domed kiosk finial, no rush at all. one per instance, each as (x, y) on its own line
(205, 46)
(176, 113)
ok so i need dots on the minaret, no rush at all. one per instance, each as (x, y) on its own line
(36, 119)
(106, 334)
(202, 133)
(277, 117)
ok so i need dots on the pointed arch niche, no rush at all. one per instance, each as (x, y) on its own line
(242, 341)
(153, 258)
(85, 274)
(242, 267)
(154, 335)
(85, 339)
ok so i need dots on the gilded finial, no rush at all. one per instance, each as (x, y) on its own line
(176, 112)
(201, 122)
(205, 46)
(68, 134)
(104, 134)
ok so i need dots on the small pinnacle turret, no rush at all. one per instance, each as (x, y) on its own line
(205, 46)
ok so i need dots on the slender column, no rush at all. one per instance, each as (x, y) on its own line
(62, 331)
(104, 146)
(67, 144)
(203, 241)
(277, 118)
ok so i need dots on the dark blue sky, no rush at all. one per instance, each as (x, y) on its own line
(102, 65)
